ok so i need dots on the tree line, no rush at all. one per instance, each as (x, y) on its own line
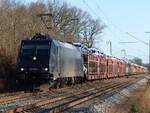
(20, 20)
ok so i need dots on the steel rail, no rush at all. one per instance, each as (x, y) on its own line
(61, 98)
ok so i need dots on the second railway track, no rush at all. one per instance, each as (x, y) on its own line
(20, 96)
(76, 97)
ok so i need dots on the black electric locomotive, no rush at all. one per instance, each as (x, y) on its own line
(44, 59)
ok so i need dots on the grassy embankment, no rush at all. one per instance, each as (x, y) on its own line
(137, 102)
(142, 103)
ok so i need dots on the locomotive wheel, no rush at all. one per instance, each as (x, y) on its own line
(57, 85)
(69, 82)
(82, 80)
(61, 83)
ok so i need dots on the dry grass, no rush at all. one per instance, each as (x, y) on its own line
(138, 102)
(143, 103)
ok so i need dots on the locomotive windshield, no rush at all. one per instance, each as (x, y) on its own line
(35, 48)
(34, 53)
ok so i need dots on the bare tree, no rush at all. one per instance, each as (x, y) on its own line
(69, 24)
(137, 60)
(92, 28)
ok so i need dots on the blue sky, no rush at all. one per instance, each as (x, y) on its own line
(120, 16)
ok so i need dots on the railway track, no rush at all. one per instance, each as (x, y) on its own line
(6, 95)
(7, 98)
(64, 102)
(24, 99)
(14, 96)
(20, 96)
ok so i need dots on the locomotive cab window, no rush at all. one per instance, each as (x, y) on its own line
(27, 49)
(42, 49)
(35, 48)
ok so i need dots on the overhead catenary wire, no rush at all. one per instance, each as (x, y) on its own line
(97, 14)
(127, 33)
(137, 38)
(87, 5)
(111, 23)
(120, 30)
(107, 18)
(127, 42)
(116, 27)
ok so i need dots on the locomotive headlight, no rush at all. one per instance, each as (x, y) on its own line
(46, 69)
(22, 69)
(34, 58)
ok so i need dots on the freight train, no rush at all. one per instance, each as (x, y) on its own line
(59, 63)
